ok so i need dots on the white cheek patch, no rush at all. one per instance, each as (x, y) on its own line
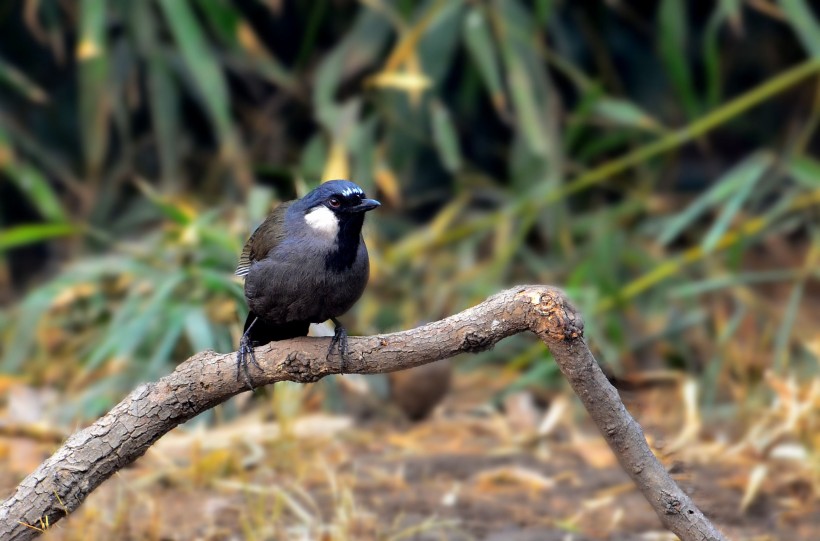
(323, 222)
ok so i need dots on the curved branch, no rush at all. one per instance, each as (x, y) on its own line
(89, 457)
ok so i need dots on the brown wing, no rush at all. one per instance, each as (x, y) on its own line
(263, 239)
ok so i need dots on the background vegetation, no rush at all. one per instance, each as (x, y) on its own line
(658, 159)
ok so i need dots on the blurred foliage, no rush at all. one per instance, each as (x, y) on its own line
(657, 159)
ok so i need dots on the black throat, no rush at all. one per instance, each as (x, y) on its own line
(347, 242)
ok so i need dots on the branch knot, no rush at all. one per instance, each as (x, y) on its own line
(476, 342)
(552, 317)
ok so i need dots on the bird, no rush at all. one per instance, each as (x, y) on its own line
(306, 263)
(417, 391)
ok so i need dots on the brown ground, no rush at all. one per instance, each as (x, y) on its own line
(468, 473)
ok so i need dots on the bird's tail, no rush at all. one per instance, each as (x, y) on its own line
(262, 333)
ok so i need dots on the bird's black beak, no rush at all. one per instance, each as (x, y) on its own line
(365, 205)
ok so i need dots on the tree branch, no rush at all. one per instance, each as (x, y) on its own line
(89, 457)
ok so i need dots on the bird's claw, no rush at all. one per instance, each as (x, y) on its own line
(246, 352)
(339, 341)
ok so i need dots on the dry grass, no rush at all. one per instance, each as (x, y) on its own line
(469, 473)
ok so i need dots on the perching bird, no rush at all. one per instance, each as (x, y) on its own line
(306, 263)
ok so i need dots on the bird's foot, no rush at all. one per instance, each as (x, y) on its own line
(245, 353)
(338, 341)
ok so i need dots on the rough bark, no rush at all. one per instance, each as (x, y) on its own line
(89, 457)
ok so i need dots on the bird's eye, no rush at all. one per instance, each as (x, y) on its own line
(334, 202)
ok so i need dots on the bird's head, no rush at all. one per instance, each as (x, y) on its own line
(336, 204)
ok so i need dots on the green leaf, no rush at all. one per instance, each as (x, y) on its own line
(23, 235)
(198, 330)
(716, 364)
(17, 81)
(169, 338)
(313, 156)
(164, 103)
(782, 339)
(445, 137)
(360, 49)
(725, 187)
(221, 283)
(308, 41)
(162, 89)
(223, 18)
(93, 66)
(543, 10)
(479, 42)
(37, 190)
(724, 9)
(806, 171)
(30, 181)
(135, 319)
(530, 91)
(693, 289)
(804, 24)
(363, 150)
(673, 29)
(24, 330)
(744, 177)
(259, 203)
(35, 304)
(437, 46)
(625, 113)
(168, 208)
(527, 111)
(201, 62)
(576, 124)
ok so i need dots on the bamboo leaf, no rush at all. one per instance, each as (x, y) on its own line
(201, 62)
(337, 164)
(133, 321)
(198, 330)
(723, 188)
(673, 29)
(30, 181)
(526, 107)
(24, 329)
(530, 91)
(179, 213)
(445, 137)
(743, 178)
(358, 50)
(784, 333)
(93, 65)
(164, 104)
(20, 83)
(804, 23)
(223, 18)
(168, 340)
(409, 42)
(625, 113)
(22, 235)
(438, 46)
(479, 42)
(693, 289)
(163, 92)
(806, 171)
(724, 9)
(37, 190)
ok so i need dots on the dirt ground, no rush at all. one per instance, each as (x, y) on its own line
(470, 472)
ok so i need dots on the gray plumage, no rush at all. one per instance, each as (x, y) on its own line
(306, 263)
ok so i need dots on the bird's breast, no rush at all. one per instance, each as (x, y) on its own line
(302, 283)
